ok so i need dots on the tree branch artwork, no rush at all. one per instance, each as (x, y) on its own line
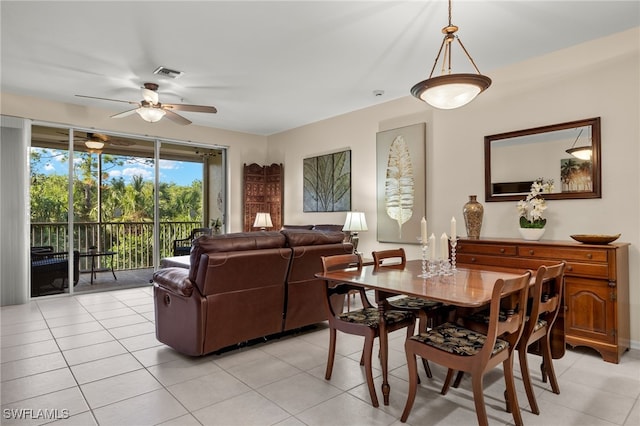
(327, 182)
(399, 183)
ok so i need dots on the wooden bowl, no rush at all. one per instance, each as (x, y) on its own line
(595, 238)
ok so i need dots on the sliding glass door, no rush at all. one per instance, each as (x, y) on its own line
(131, 198)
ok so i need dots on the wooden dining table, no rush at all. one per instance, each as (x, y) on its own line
(470, 288)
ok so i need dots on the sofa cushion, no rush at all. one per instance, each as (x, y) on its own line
(300, 237)
(328, 227)
(308, 227)
(237, 241)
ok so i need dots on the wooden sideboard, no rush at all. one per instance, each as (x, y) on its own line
(596, 294)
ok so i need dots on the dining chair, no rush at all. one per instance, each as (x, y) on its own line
(545, 301)
(361, 322)
(462, 349)
(545, 304)
(429, 312)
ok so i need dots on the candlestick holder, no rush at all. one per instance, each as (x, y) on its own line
(453, 240)
(424, 247)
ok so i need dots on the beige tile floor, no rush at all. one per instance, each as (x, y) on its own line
(94, 359)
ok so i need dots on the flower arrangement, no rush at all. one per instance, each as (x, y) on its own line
(532, 207)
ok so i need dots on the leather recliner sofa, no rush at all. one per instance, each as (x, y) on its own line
(243, 286)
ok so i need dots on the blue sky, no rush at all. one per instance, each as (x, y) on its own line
(178, 172)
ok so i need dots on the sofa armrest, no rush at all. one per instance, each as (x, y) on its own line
(175, 280)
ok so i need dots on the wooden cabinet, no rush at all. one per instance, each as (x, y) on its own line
(596, 293)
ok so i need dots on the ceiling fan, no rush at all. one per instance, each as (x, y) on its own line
(151, 110)
(96, 141)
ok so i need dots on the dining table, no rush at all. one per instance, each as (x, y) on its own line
(462, 287)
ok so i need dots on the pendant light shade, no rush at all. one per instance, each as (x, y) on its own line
(581, 152)
(449, 91)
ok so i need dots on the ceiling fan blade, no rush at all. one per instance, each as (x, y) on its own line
(191, 108)
(107, 99)
(124, 113)
(178, 119)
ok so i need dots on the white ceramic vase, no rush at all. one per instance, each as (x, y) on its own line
(531, 234)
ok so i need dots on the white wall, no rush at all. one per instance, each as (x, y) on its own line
(595, 79)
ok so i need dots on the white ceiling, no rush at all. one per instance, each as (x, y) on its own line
(270, 66)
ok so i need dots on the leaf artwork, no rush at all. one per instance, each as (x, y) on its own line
(399, 184)
(327, 182)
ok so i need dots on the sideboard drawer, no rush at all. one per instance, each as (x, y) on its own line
(595, 270)
(493, 249)
(579, 254)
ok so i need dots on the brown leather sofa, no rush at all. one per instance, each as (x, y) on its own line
(243, 286)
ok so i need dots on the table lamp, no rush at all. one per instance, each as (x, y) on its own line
(355, 223)
(263, 221)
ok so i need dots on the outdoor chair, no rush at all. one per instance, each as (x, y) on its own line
(50, 270)
(182, 246)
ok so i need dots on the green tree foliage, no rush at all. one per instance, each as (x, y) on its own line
(121, 201)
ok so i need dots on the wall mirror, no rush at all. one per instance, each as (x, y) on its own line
(568, 153)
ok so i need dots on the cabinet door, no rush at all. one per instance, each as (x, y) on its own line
(590, 309)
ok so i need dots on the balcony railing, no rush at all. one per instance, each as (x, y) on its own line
(132, 241)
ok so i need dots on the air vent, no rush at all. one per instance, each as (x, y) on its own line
(166, 72)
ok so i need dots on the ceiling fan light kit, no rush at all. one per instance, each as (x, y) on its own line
(449, 91)
(94, 144)
(150, 114)
(151, 110)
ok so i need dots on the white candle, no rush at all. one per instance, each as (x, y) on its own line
(453, 227)
(444, 246)
(432, 246)
(423, 230)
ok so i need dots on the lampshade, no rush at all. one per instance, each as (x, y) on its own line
(449, 91)
(355, 222)
(581, 152)
(263, 220)
(151, 114)
(93, 144)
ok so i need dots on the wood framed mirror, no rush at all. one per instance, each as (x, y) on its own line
(568, 153)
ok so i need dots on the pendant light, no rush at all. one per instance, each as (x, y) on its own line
(449, 91)
(581, 152)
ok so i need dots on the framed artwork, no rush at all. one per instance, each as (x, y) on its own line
(401, 183)
(327, 182)
(575, 175)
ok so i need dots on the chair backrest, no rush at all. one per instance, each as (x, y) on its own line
(341, 261)
(546, 296)
(512, 294)
(198, 232)
(394, 258)
(335, 263)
